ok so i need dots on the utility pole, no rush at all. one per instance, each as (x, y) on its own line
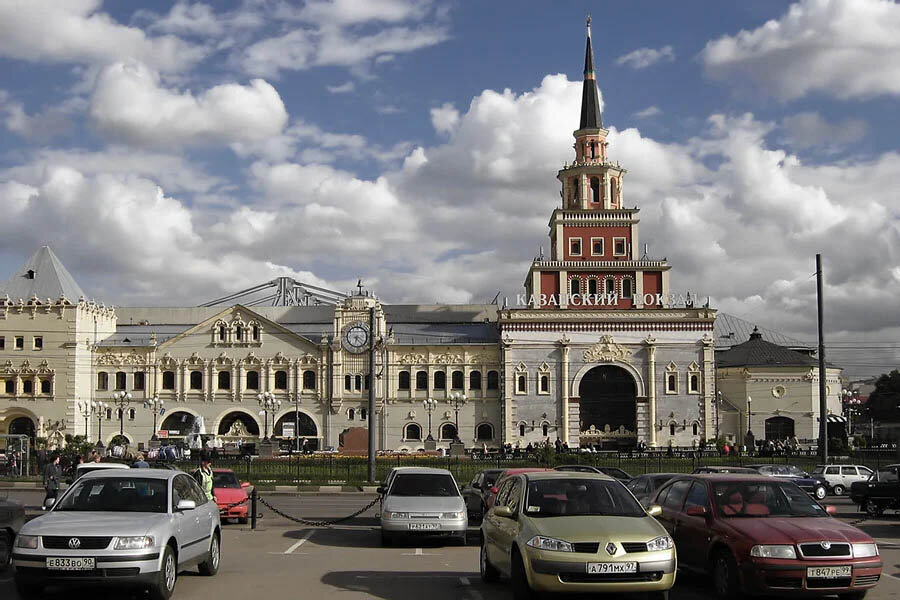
(371, 414)
(823, 401)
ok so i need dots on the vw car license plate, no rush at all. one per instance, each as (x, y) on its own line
(420, 526)
(828, 572)
(70, 564)
(607, 568)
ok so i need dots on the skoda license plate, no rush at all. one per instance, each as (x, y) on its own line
(828, 572)
(608, 568)
(70, 564)
(421, 526)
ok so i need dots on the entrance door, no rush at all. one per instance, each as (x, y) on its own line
(607, 407)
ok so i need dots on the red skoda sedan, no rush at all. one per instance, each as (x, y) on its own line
(228, 490)
(760, 535)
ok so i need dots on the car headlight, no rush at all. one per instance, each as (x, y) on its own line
(660, 543)
(27, 541)
(452, 515)
(865, 550)
(398, 515)
(545, 543)
(773, 551)
(138, 542)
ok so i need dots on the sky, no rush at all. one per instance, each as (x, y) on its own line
(174, 152)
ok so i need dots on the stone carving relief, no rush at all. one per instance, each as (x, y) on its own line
(448, 358)
(411, 358)
(606, 350)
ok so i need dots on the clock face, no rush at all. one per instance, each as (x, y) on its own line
(356, 338)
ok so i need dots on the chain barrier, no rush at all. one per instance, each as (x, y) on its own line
(319, 523)
(228, 507)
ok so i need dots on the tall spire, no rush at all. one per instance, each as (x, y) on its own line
(590, 100)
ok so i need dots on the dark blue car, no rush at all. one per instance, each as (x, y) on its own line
(816, 487)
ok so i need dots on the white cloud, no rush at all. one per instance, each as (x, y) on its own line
(808, 129)
(76, 31)
(51, 122)
(130, 103)
(444, 118)
(841, 48)
(649, 112)
(645, 57)
(353, 12)
(344, 88)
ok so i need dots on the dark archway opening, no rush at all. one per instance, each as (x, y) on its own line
(779, 428)
(22, 426)
(608, 409)
(238, 425)
(178, 423)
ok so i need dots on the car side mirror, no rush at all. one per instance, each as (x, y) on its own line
(49, 502)
(381, 490)
(245, 484)
(185, 505)
(495, 489)
(831, 509)
(504, 512)
(654, 510)
(696, 511)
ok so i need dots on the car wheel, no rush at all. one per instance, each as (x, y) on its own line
(210, 566)
(820, 492)
(5, 551)
(520, 588)
(873, 509)
(28, 590)
(838, 490)
(853, 595)
(166, 578)
(489, 573)
(725, 575)
(387, 538)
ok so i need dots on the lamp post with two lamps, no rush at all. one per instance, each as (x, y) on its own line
(157, 407)
(269, 404)
(121, 400)
(87, 408)
(851, 404)
(429, 404)
(457, 399)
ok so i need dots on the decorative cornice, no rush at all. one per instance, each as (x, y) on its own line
(671, 315)
(606, 350)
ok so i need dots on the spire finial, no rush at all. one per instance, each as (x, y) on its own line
(589, 24)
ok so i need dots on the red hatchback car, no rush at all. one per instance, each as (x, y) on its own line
(761, 535)
(228, 490)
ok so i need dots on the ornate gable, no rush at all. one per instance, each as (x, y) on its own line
(606, 350)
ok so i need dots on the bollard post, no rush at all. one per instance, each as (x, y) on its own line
(253, 509)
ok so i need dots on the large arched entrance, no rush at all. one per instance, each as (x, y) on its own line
(22, 426)
(779, 428)
(238, 425)
(178, 424)
(307, 429)
(608, 407)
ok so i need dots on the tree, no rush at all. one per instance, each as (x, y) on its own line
(884, 402)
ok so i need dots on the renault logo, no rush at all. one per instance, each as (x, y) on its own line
(826, 545)
(611, 548)
(74, 543)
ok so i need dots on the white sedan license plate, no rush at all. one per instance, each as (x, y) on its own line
(70, 564)
(607, 568)
(423, 526)
(828, 572)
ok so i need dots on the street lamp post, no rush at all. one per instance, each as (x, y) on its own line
(851, 403)
(430, 404)
(100, 408)
(457, 398)
(749, 417)
(86, 409)
(269, 404)
(120, 401)
(157, 407)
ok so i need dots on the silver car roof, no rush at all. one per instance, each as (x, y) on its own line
(428, 470)
(142, 473)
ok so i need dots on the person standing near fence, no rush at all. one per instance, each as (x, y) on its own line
(52, 474)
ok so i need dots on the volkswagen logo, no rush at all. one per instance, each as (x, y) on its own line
(74, 543)
(611, 548)
(826, 545)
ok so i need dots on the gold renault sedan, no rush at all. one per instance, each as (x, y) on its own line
(575, 532)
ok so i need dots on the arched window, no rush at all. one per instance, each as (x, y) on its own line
(120, 380)
(348, 382)
(595, 186)
(672, 383)
(457, 380)
(197, 380)
(363, 413)
(695, 428)
(484, 432)
(280, 380)
(522, 385)
(577, 186)
(366, 382)
(309, 380)
(440, 380)
(627, 290)
(131, 414)
(412, 431)
(448, 431)
(27, 386)
(694, 382)
(119, 414)
(521, 429)
(239, 333)
(102, 380)
(574, 286)
(592, 287)
(168, 382)
(222, 333)
(108, 414)
(351, 414)
(256, 333)
(614, 190)
(138, 381)
(421, 380)
(475, 380)
(403, 382)
(11, 386)
(545, 429)
(610, 285)
(357, 382)
(224, 380)
(45, 386)
(545, 383)
(493, 380)
(672, 429)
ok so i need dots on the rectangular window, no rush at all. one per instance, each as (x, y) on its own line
(38, 342)
(575, 246)
(694, 383)
(10, 386)
(2, 343)
(138, 381)
(596, 246)
(671, 383)
(20, 342)
(619, 247)
(545, 384)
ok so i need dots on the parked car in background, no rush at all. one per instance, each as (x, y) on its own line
(574, 532)
(477, 492)
(228, 491)
(727, 469)
(422, 502)
(135, 528)
(644, 486)
(12, 517)
(764, 535)
(841, 477)
(881, 492)
(508, 473)
(812, 485)
(614, 472)
(91, 467)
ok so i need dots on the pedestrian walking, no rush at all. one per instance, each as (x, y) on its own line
(52, 475)
(204, 477)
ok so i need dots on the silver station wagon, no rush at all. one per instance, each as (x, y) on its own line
(136, 527)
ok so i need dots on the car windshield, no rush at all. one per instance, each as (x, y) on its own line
(423, 484)
(225, 480)
(887, 476)
(119, 494)
(580, 497)
(793, 471)
(764, 499)
(818, 471)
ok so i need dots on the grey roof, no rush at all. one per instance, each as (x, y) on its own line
(731, 331)
(50, 279)
(756, 352)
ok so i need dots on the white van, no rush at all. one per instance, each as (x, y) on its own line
(840, 477)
